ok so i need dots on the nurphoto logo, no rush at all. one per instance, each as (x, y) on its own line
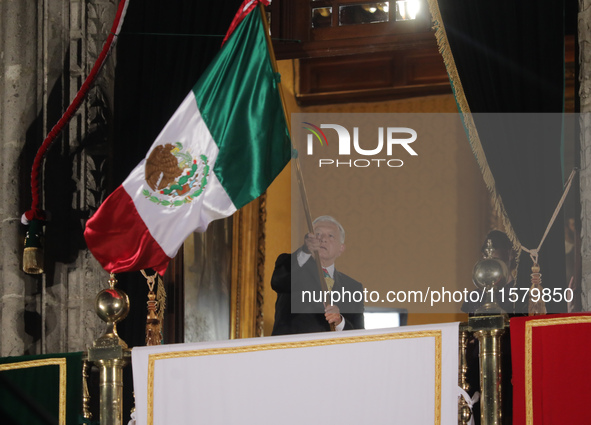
(390, 138)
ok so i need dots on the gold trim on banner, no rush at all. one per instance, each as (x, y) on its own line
(474, 139)
(61, 362)
(529, 325)
(300, 344)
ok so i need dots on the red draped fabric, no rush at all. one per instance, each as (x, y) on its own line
(551, 370)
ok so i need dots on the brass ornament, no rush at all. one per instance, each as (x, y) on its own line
(465, 413)
(86, 413)
(112, 306)
(489, 274)
(110, 353)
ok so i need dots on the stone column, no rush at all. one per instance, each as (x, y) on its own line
(47, 48)
(584, 30)
(19, 105)
(76, 31)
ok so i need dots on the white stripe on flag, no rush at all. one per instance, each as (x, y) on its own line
(171, 225)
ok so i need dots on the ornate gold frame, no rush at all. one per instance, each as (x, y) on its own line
(247, 286)
(248, 260)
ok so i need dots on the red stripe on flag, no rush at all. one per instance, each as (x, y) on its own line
(119, 237)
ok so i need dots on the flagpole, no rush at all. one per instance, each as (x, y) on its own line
(296, 161)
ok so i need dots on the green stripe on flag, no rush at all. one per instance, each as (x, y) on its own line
(239, 101)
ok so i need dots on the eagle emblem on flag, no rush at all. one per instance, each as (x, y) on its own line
(173, 172)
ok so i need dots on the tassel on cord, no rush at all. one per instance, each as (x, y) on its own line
(537, 307)
(33, 252)
(161, 299)
(536, 304)
(156, 304)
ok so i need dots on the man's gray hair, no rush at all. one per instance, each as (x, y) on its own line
(334, 221)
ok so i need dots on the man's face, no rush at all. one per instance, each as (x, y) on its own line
(330, 242)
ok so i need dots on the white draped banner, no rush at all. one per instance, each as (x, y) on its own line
(404, 375)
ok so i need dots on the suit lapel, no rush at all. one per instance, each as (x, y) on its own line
(338, 279)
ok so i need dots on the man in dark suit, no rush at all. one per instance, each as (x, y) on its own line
(300, 306)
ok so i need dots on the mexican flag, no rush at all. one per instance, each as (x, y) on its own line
(221, 149)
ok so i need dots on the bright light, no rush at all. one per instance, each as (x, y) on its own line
(381, 320)
(407, 9)
(413, 7)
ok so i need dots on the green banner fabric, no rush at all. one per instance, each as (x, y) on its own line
(45, 389)
(506, 64)
(238, 98)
